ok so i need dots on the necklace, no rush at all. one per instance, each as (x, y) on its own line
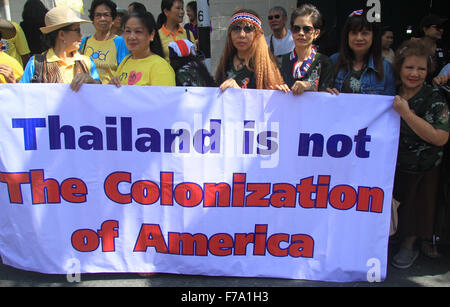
(240, 65)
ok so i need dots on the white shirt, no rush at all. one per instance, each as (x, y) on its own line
(281, 46)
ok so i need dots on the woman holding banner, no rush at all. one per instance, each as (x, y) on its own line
(61, 63)
(423, 133)
(359, 66)
(304, 69)
(246, 61)
(145, 65)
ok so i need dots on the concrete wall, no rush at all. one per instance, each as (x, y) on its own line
(220, 12)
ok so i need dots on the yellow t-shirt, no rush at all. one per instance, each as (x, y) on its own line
(106, 55)
(11, 62)
(16, 46)
(66, 68)
(167, 37)
(152, 70)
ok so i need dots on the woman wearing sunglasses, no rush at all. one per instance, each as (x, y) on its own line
(360, 67)
(246, 61)
(304, 69)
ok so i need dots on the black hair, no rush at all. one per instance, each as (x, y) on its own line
(308, 10)
(359, 23)
(34, 12)
(50, 38)
(149, 22)
(193, 6)
(165, 5)
(108, 3)
(138, 7)
(385, 29)
(33, 18)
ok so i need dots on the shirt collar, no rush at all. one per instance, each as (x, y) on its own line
(52, 57)
(167, 32)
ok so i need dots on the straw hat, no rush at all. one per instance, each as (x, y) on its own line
(7, 29)
(60, 17)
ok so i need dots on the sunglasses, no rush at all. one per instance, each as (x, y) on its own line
(306, 29)
(238, 29)
(277, 16)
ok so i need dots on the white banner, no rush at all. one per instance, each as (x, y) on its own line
(192, 181)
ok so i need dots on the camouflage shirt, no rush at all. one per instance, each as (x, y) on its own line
(414, 153)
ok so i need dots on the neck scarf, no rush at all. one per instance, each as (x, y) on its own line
(299, 71)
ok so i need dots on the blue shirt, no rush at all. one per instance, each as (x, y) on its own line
(369, 80)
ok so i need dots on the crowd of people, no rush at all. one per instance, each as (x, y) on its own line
(131, 47)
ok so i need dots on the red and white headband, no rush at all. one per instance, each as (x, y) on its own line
(247, 17)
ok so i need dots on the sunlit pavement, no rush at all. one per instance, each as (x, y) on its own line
(425, 272)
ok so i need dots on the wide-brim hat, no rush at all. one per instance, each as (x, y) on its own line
(60, 17)
(7, 29)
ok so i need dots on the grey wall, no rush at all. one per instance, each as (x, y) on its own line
(220, 12)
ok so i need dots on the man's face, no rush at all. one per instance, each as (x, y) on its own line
(277, 20)
(434, 31)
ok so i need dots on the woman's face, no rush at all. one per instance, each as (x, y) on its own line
(387, 39)
(136, 36)
(191, 14)
(242, 36)
(360, 41)
(303, 32)
(71, 37)
(176, 13)
(102, 18)
(413, 72)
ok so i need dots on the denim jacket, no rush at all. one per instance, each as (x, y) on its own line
(369, 81)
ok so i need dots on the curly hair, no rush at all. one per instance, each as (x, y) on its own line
(108, 3)
(261, 61)
(412, 47)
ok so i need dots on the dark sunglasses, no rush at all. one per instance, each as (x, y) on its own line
(306, 29)
(237, 29)
(277, 16)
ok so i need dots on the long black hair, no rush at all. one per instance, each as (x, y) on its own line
(149, 22)
(360, 23)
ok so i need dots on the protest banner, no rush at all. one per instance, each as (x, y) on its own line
(192, 181)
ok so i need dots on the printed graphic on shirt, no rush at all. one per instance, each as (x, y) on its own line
(4, 45)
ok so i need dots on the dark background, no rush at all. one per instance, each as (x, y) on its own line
(399, 14)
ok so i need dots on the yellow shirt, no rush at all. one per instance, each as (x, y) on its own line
(167, 37)
(16, 46)
(11, 62)
(107, 55)
(152, 70)
(66, 68)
